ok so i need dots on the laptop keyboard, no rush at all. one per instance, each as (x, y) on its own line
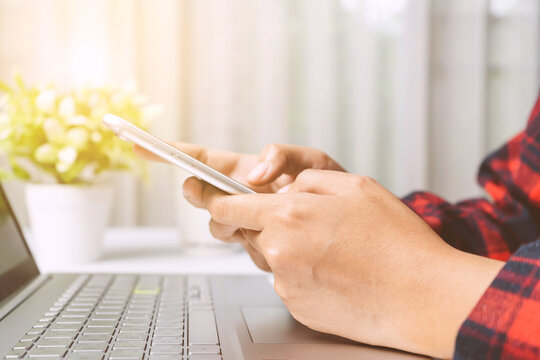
(126, 317)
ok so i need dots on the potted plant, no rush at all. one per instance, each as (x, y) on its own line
(56, 143)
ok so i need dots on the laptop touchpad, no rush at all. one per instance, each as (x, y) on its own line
(275, 325)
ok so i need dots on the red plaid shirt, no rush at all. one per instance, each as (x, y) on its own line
(505, 324)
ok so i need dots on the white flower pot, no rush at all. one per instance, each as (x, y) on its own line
(68, 222)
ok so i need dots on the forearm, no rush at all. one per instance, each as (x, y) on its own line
(448, 295)
(467, 278)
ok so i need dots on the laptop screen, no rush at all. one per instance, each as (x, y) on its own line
(17, 266)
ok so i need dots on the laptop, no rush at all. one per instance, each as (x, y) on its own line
(155, 317)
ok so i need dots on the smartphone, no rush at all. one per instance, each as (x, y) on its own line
(129, 132)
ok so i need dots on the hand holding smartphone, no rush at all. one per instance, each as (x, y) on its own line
(127, 131)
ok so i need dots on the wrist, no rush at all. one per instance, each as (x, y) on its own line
(457, 287)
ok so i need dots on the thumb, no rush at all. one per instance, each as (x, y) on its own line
(278, 159)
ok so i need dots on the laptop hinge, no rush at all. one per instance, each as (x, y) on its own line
(18, 297)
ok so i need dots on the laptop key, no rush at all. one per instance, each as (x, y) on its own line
(109, 318)
(169, 319)
(166, 349)
(89, 355)
(204, 357)
(129, 328)
(41, 325)
(138, 335)
(173, 340)
(126, 354)
(166, 357)
(47, 352)
(29, 337)
(138, 317)
(168, 313)
(22, 345)
(95, 338)
(101, 323)
(108, 330)
(202, 328)
(58, 342)
(35, 332)
(65, 327)
(169, 324)
(111, 307)
(130, 344)
(147, 308)
(73, 316)
(95, 346)
(67, 334)
(113, 302)
(145, 322)
(46, 319)
(177, 331)
(15, 354)
(81, 305)
(77, 313)
(69, 321)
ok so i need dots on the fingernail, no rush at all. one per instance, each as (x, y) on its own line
(187, 195)
(258, 171)
(284, 189)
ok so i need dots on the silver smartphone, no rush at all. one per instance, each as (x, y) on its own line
(127, 131)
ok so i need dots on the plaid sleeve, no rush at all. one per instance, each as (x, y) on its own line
(505, 323)
(494, 228)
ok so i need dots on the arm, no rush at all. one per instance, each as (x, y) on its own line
(351, 259)
(495, 229)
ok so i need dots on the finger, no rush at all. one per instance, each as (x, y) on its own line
(230, 233)
(277, 159)
(234, 213)
(224, 232)
(250, 211)
(221, 160)
(327, 182)
(252, 237)
(192, 190)
(255, 255)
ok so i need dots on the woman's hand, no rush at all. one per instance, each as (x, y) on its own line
(276, 167)
(349, 258)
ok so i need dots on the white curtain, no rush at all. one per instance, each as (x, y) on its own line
(411, 92)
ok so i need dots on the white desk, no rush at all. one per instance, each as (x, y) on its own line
(157, 250)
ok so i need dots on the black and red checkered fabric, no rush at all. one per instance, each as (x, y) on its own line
(505, 324)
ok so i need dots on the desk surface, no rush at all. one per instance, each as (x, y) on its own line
(157, 250)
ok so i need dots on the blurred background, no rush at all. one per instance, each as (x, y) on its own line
(411, 92)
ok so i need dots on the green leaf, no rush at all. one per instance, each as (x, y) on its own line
(18, 170)
(5, 175)
(20, 82)
(72, 174)
(5, 88)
